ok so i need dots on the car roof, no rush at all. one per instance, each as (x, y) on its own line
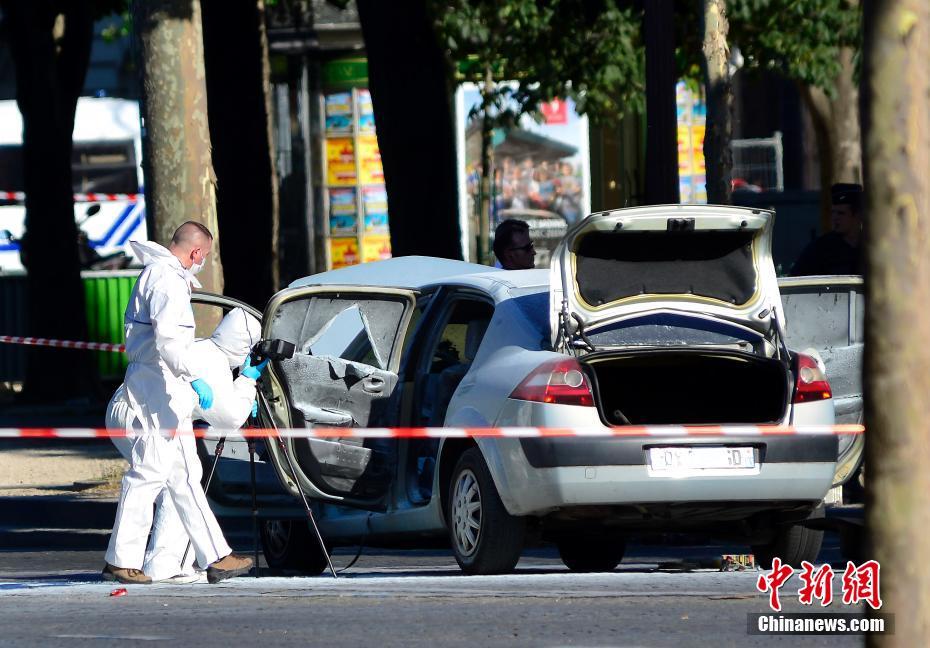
(418, 272)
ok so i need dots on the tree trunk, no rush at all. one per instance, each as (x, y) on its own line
(51, 51)
(896, 85)
(836, 128)
(179, 181)
(239, 97)
(718, 157)
(484, 193)
(661, 110)
(416, 138)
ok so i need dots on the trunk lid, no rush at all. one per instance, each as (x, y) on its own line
(697, 261)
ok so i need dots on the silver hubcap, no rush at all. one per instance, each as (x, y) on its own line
(466, 513)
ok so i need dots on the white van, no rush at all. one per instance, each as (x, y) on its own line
(106, 169)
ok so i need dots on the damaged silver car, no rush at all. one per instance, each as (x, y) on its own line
(666, 315)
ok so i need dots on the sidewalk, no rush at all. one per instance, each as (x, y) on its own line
(44, 521)
(59, 467)
(62, 494)
(56, 492)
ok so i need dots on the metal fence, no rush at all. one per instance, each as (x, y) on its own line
(758, 164)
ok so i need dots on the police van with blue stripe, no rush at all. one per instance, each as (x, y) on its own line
(109, 204)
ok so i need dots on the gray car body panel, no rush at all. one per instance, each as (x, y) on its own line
(517, 341)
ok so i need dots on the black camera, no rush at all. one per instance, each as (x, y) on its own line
(271, 350)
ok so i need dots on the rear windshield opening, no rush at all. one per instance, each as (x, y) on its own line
(612, 266)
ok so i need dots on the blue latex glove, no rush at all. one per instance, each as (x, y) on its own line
(254, 409)
(204, 392)
(253, 372)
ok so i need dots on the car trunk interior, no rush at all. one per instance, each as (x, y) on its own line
(610, 266)
(688, 386)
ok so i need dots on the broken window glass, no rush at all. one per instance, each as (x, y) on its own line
(357, 329)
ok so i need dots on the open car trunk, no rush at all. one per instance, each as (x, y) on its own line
(688, 387)
(708, 261)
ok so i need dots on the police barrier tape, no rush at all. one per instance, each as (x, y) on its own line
(20, 196)
(63, 344)
(455, 432)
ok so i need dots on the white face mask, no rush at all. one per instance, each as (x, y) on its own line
(197, 267)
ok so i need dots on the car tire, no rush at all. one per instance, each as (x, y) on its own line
(591, 554)
(290, 545)
(793, 544)
(485, 538)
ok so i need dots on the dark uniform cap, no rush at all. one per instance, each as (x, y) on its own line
(847, 193)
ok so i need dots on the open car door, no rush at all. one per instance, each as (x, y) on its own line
(824, 317)
(230, 489)
(343, 373)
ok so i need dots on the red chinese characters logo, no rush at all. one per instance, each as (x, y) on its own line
(773, 581)
(860, 584)
(816, 584)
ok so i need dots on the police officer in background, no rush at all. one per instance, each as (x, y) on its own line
(838, 252)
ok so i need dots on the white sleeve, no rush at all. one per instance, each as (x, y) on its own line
(173, 325)
(232, 404)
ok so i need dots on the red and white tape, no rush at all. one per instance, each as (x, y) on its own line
(20, 196)
(63, 344)
(668, 431)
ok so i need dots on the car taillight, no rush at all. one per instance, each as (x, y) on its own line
(560, 382)
(811, 384)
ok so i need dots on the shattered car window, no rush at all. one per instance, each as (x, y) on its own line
(345, 336)
(359, 330)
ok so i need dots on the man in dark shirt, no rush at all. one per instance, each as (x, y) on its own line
(838, 252)
(513, 246)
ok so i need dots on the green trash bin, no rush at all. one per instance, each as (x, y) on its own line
(106, 294)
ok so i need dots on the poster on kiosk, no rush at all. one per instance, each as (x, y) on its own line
(355, 195)
(540, 169)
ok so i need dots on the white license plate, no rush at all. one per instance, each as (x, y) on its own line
(702, 460)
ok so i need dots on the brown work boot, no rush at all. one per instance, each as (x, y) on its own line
(129, 576)
(228, 567)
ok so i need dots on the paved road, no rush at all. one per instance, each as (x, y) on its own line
(395, 598)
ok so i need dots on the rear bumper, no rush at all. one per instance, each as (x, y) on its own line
(555, 452)
(536, 476)
(542, 490)
(633, 485)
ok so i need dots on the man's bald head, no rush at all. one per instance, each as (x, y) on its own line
(192, 234)
(191, 244)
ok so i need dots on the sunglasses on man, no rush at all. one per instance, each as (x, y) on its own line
(523, 248)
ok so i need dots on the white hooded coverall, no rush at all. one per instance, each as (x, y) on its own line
(159, 324)
(214, 359)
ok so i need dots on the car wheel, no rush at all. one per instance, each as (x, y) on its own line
(793, 544)
(591, 554)
(289, 544)
(486, 539)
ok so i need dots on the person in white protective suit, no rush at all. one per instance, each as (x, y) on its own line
(233, 401)
(161, 388)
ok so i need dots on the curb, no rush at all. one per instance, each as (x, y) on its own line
(66, 522)
(34, 539)
(57, 512)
